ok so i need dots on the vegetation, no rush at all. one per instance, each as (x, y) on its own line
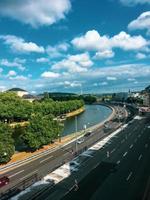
(41, 129)
(6, 143)
(88, 99)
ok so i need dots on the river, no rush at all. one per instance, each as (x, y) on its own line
(93, 115)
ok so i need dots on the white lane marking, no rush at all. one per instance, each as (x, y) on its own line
(139, 158)
(146, 145)
(28, 175)
(139, 135)
(131, 146)
(16, 174)
(113, 150)
(135, 140)
(125, 154)
(129, 176)
(118, 162)
(45, 159)
(129, 134)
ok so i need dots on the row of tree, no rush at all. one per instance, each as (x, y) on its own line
(88, 99)
(15, 109)
(42, 128)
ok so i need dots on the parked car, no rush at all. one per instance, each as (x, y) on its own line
(4, 181)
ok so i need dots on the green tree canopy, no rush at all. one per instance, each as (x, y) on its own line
(6, 143)
(41, 131)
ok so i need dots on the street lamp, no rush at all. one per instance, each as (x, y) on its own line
(76, 130)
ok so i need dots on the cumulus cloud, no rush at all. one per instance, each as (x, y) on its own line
(18, 78)
(17, 62)
(142, 22)
(74, 63)
(72, 84)
(131, 79)
(42, 60)
(11, 73)
(140, 56)
(50, 75)
(134, 2)
(92, 40)
(57, 50)
(18, 44)
(111, 78)
(1, 70)
(35, 12)
(104, 54)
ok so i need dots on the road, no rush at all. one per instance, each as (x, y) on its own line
(120, 174)
(47, 163)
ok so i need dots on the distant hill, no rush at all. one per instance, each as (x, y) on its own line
(16, 90)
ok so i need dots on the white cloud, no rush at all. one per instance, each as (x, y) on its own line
(74, 63)
(18, 44)
(19, 78)
(119, 72)
(104, 83)
(142, 22)
(111, 78)
(101, 84)
(50, 75)
(57, 50)
(131, 79)
(134, 2)
(127, 42)
(72, 84)
(104, 54)
(17, 62)
(140, 56)
(92, 40)
(42, 60)
(11, 73)
(35, 12)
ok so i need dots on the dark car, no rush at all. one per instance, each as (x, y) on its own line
(88, 134)
(4, 181)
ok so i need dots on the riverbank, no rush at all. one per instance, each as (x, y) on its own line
(75, 113)
(65, 139)
(67, 115)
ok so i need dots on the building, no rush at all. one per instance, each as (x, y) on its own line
(20, 92)
(146, 99)
(121, 96)
(30, 97)
(146, 96)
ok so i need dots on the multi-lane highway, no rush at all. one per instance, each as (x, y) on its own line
(120, 170)
(51, 160)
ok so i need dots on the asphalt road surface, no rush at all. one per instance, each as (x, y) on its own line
(119, 171)
(47, 163)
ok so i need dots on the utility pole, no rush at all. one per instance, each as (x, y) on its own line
(76, 130)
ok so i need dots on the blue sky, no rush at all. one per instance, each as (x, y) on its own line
(73, 45)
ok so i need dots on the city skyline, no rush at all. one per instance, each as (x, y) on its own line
(73, 46)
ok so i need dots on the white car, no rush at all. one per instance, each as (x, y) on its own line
(81, 140)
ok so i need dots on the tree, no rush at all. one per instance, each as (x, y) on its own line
(41, 131)
(6, 143)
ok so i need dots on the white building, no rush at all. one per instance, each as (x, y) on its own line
(18, 91)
